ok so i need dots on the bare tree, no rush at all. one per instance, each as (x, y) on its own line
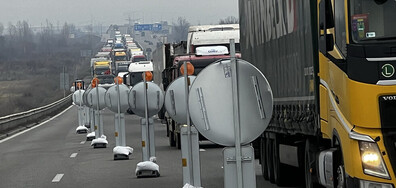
(1, 29)
(229, 20)
(12, 30)
(180, 29)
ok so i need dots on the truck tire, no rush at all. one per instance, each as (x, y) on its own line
(171, 137)
(177, 140)
(263, 159)
(340, 180)
(171, 133)
(270, 161)
(309, 165)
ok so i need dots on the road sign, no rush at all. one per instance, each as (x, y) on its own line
(212, 110)
(148, 27)
(143, 27)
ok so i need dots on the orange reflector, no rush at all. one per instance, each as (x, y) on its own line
(184, 162)
(116, 134)
(149, 75)
(118, 80)
(94, 82)
(143, 144)
(190, 69)
(79, 85)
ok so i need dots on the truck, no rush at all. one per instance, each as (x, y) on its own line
(163, 58)
(205, 35)
(120, 62)
(101, 68)
(330, 64)
(203, 57)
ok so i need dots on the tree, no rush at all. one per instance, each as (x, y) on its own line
(180, 29)
(229, 20)
(12, 30)
(1, 29)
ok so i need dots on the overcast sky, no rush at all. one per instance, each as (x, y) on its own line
(106, 12)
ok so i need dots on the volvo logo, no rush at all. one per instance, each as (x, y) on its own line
(388, 70)
(389, 98)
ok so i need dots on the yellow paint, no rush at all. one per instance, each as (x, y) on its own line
(143, 144)
(184, 162)
(96, 127)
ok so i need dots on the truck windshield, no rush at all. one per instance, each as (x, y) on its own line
(106, 79)
(373, 20)
(102, 70)
(120, 58)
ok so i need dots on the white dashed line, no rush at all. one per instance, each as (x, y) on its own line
(82, 142)
(57, 178)
(202, 150)
(73, 155)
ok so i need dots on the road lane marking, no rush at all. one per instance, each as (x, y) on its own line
(15, 135)
(202, 150)
(57, 178)
(82, 142)
(73, 155)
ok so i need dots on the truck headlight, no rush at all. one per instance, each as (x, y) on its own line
(372, 161)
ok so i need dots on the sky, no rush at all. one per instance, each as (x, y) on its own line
(106, 12)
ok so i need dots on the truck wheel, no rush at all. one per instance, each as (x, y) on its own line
(340, 180)
(309, 165)
(171, 137)
(263, 159)
(269, 156)
(177, 140)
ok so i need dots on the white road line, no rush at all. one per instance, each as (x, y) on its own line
(202, 150)
(15, 135)
(82, 142)
(73, 155)
(57, 178)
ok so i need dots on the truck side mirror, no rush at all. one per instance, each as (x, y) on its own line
(326, 21)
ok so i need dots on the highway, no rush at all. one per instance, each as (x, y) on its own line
(53, 155)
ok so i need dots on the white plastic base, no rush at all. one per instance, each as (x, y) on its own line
(90, 136)
(147, 169)
(122, 152)
(81, 130)
(190, 186)
(99, 142)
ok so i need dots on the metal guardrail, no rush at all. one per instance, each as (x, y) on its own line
(13, 121)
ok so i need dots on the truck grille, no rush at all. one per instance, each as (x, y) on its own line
(387, 106)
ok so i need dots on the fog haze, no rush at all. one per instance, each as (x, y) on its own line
(105, 12)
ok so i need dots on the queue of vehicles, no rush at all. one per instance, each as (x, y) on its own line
(114, 58)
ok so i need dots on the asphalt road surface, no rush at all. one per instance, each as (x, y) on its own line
(53, 155)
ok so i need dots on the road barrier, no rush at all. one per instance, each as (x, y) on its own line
(23, 119)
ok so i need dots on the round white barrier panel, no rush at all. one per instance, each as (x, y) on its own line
(211, 102)
(93, 98)
(155, 98)
(175, 99)
(111, 98)
(85, 97)
(77, 97)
